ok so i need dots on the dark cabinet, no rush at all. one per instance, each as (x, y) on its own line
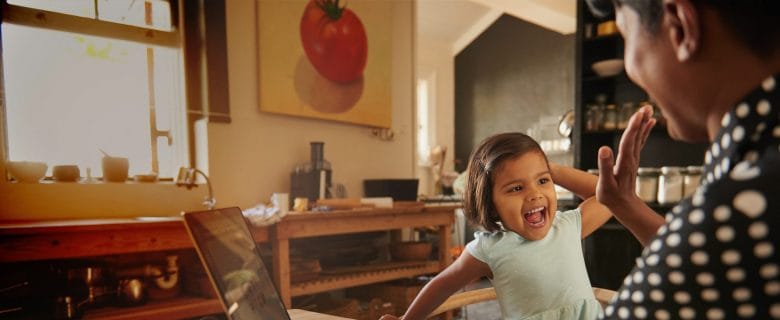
(610, 252)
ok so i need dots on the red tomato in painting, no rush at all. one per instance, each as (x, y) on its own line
(334, 40)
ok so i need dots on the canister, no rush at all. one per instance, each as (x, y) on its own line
(691, 179)
(647, 184)
(670, 185)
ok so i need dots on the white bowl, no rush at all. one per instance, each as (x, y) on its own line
(27, 171)
(606, 68)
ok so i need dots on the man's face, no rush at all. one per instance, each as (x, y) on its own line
(652, 64)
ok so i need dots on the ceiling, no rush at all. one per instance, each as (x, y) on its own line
(453, 24)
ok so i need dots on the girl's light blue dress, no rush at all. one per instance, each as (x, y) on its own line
(543, 279)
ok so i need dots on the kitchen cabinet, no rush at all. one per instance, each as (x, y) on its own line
(61, 241)
(610, 252)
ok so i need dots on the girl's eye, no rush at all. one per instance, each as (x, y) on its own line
(544, 180)
(517, 189)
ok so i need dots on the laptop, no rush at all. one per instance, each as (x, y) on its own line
(232, 261)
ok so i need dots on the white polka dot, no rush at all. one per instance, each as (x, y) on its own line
(609, 310)
(735, 275)
(637, 297)
(772, 288)
(697, 239)
(638, 277)
(657, 295)
(662, 314)
(676, 277)
(624, 294)
(676, 224)
(725, 120)
(707, 157)
(655, 245)
(751, 203)
(776, 132)
(705, 279)
(700, 258)
(725, 141)
(725, 234)
(763, 107)
(627, 280)
(673, 240)
(662, 230)
(741, 294)
(737, 134)
(623, 313)
(654, 279)
(731, 257)
(724, 165)
(696, 216)
(758, 230)
(744, 171)
(768, 84)
(698, 199)
(717, 172)
(768, 271)
(640, 312)
(709, 294)
(774, 311)
(715, 314)
(682, 297)
(639, 262)
(710, 178)
(687, 313)
(673, 260)
(746, 310)
(715, 150)
(743, 110)
(764, 250)
(652, 260)
(668, 218)
(722, 213)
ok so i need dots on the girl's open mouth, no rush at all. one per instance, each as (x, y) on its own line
(536, 217)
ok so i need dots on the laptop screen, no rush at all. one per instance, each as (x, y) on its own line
(230, 256)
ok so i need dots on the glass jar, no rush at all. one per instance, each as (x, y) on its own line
(594, 172)
(593, 118)
(647, 184)
(670, 185)
(610, 117)
(625, 113)
(691, 179)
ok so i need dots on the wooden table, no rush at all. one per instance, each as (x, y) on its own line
(298, 314)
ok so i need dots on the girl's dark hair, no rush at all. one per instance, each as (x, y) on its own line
(753, 22)
(484, 161)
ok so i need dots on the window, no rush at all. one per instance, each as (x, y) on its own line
(86, 78)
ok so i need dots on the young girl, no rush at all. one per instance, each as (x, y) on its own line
(529, 251)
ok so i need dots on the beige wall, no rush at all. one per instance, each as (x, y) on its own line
(251, 157)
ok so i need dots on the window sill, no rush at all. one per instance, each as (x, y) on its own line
(78, 200)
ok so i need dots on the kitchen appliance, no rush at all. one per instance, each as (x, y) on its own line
(312, 180)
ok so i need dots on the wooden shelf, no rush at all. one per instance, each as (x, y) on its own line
(327, 283)
(185, 307)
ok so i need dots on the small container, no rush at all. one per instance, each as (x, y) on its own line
(647, 184)
(610, 117)
(594, 172)
(691, 179)
(593, 118)
(670, 185)
(625, 113)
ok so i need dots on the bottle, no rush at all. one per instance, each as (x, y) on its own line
(670, 185)
(647, 184)
(610, 117)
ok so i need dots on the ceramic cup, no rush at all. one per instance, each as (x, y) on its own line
(66, 173)
(115, 169)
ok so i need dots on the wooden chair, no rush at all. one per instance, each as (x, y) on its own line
(486, 294)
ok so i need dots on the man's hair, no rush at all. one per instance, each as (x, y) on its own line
(756, 23)
(486, 159)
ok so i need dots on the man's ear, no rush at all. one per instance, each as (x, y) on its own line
(682, 25)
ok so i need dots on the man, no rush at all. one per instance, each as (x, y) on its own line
(713, 67)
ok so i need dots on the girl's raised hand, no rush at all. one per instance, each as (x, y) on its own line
(617, 179)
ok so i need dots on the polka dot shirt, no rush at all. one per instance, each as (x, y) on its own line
(716, 257)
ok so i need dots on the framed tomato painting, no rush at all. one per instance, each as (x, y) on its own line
(326, 59)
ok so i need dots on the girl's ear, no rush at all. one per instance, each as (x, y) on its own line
(682, 26)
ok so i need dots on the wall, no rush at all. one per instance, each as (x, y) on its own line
(509, 78)
(251, 157)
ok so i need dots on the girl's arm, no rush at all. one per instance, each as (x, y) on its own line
(579, 182)
(463, 271)
(583, 184)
